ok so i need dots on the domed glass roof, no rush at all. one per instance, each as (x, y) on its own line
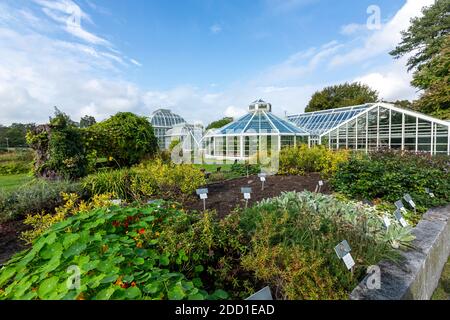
(261, 120)
(165, 118)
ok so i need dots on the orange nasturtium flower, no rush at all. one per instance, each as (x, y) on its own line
(142, 231)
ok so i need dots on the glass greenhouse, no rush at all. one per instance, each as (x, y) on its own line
(259, 130)
(163, 120)
(188, 134)
(375, 126)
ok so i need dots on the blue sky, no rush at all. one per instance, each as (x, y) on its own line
(203, 59)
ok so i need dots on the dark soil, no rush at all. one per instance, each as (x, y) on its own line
(223, 196)
(9, 239)
(226, 195)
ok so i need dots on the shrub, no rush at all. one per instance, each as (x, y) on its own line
(302, 159)
(72, 205)
(117, 182)
(242, 168)
(35, 197)
(147, 180)
(388, 175)
(155, 178)
(207, 250)
(124, 139)
(58, 148)
(114, 251)
(16, 162)
(292, 239)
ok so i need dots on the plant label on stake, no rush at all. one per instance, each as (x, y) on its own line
(431, 194)
(319, 186)
(400, 206)
(400, 218)
(116, 202)
(387, 221)
(408, 199)
(263, 294)
(203, 194)
(262, 177)
(343, 252)
(246, 191)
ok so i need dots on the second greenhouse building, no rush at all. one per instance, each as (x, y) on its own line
(366, 127)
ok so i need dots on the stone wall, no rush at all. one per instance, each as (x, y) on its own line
(417, 276)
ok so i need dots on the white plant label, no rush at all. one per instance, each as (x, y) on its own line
(246, 196)
(262, 179)
(320, 183)
(203, 196)
(412, 203)
(387, 221)
(403, 222)
(348, 260)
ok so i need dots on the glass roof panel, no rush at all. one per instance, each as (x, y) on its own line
(260, 122)
(165, 118)
(319, 122)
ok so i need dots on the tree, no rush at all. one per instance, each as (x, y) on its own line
(87, 121)
(342, 95)
(219, 123)
(405, 104)
(59, 148)
(428, 40)
(124, 139)
(15, 134)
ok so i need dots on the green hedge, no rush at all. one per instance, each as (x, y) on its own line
(388, 175)
(34, 197)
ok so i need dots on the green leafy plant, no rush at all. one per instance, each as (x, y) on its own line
(292, 239)
(150, 179)
(114, 251)
(388, 175)
(302, 159)
(124, 139)
(34, 197)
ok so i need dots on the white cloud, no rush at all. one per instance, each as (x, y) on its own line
(234, 112)
(391, 82)
(383, 40)
(135, 62)
(299, 64)
(70, 16)
(215, 28)
(352, 28)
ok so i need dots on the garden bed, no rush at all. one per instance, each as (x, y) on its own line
(224, 196)
(9, 239)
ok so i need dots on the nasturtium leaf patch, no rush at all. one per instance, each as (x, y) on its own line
(47, 287)
(69, 239)
(6, 274)
(132, 293)
(51, 250)
(106, 293)
(74, 249)
(176, 293)
(164, 260)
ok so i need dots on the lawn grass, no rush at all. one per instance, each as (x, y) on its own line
(442, 292)
(14, 181)
(213, 167)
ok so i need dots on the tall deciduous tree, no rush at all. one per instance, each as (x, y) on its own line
(342, 95)
(428, 41)
(219, 123)
(87, 121)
